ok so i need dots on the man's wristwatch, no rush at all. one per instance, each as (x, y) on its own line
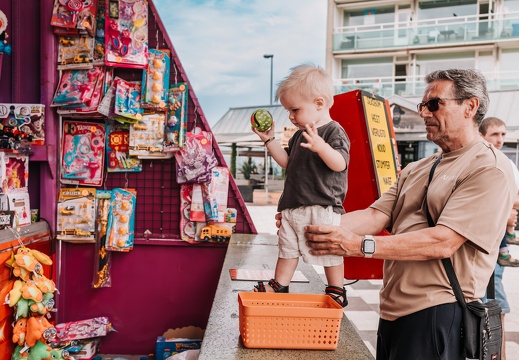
(368, 246)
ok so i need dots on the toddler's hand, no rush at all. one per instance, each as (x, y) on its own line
(313, 141)
(264, 135)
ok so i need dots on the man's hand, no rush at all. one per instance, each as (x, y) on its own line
(332, 240)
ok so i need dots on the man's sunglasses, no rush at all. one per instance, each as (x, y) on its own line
(433, 104)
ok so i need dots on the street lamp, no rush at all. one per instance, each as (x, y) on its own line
(267, 167)
(271, 57)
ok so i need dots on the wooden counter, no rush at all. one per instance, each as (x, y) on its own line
(222, 335)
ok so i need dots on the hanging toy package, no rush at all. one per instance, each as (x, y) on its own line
(83, 156)
(196, 159)
(103, 258)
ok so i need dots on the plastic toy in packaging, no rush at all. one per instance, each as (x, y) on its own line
(187, 227)
(126, 33)
(121, 218)
(74, 17)
(216, 194)
(14, 173)
(19, 203)
(147, 136)
(196, 159)
(118, 147)
(197, 204)
(102, 276)
(176, 126)
(128, 99)
(76, 214)
(155, 80)
(99, 38)
(76, 86)
(23, 121)
(83, 153)
(75, 52)
(83, 329)
(90, 106)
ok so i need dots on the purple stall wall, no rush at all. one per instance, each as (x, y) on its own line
(163, 282)
(29, 76)
(154, 288)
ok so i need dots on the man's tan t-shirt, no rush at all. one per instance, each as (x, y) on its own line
(472, 192)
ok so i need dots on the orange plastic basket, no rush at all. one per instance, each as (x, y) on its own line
(289, 321)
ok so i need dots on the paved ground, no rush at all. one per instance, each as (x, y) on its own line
(363, 299)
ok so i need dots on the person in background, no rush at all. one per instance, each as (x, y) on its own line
(493, 130)
(316, 162)
(419, 315)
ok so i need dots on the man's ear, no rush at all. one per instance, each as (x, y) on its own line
(472, 107)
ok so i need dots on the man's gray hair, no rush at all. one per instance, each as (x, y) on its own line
(467, 84)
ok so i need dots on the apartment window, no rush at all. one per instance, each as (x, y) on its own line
(369, 16)
(431, 62)
(432, 9)
(367, 69)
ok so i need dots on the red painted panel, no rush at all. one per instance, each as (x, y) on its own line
(348, 110)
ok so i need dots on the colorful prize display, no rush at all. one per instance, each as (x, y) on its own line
(261, 119)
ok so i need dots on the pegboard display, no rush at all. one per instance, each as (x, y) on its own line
(157, 213)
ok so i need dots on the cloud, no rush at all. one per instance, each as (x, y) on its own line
(221, 45)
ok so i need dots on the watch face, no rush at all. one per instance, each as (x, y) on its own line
(369, 246)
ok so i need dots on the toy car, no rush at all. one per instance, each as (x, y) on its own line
(69, 210)
(140, 126)
(80, 232)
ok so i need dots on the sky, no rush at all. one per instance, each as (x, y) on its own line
(221, 44)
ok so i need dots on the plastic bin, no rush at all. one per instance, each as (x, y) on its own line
(289, 321)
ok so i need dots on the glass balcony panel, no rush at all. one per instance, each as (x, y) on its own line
(424, 33)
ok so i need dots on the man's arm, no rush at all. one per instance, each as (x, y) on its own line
(429, 243)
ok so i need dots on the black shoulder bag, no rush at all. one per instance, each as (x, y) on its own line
(482, 328)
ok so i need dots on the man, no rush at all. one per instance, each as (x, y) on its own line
(420, 317)
(493, 130)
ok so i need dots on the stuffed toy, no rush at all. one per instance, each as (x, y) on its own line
(18, 355)
(22, 308)
(38, 329)
(31, 292)
(16, 293)
(19, 330)
(40, 351)
(43, 307)
(45, 285)
(25, 259)
(58, 354)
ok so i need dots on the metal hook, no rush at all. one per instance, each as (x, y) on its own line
(157, 40)
(126, 178)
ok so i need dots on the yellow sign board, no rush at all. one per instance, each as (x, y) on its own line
(381, 142)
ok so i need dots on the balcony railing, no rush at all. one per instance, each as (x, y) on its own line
(415, 86)
(427, 33)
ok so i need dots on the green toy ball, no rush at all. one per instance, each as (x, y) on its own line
(261, 119)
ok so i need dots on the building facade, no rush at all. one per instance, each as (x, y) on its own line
(388, 46)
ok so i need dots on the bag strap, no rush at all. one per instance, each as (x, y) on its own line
(447, 263)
